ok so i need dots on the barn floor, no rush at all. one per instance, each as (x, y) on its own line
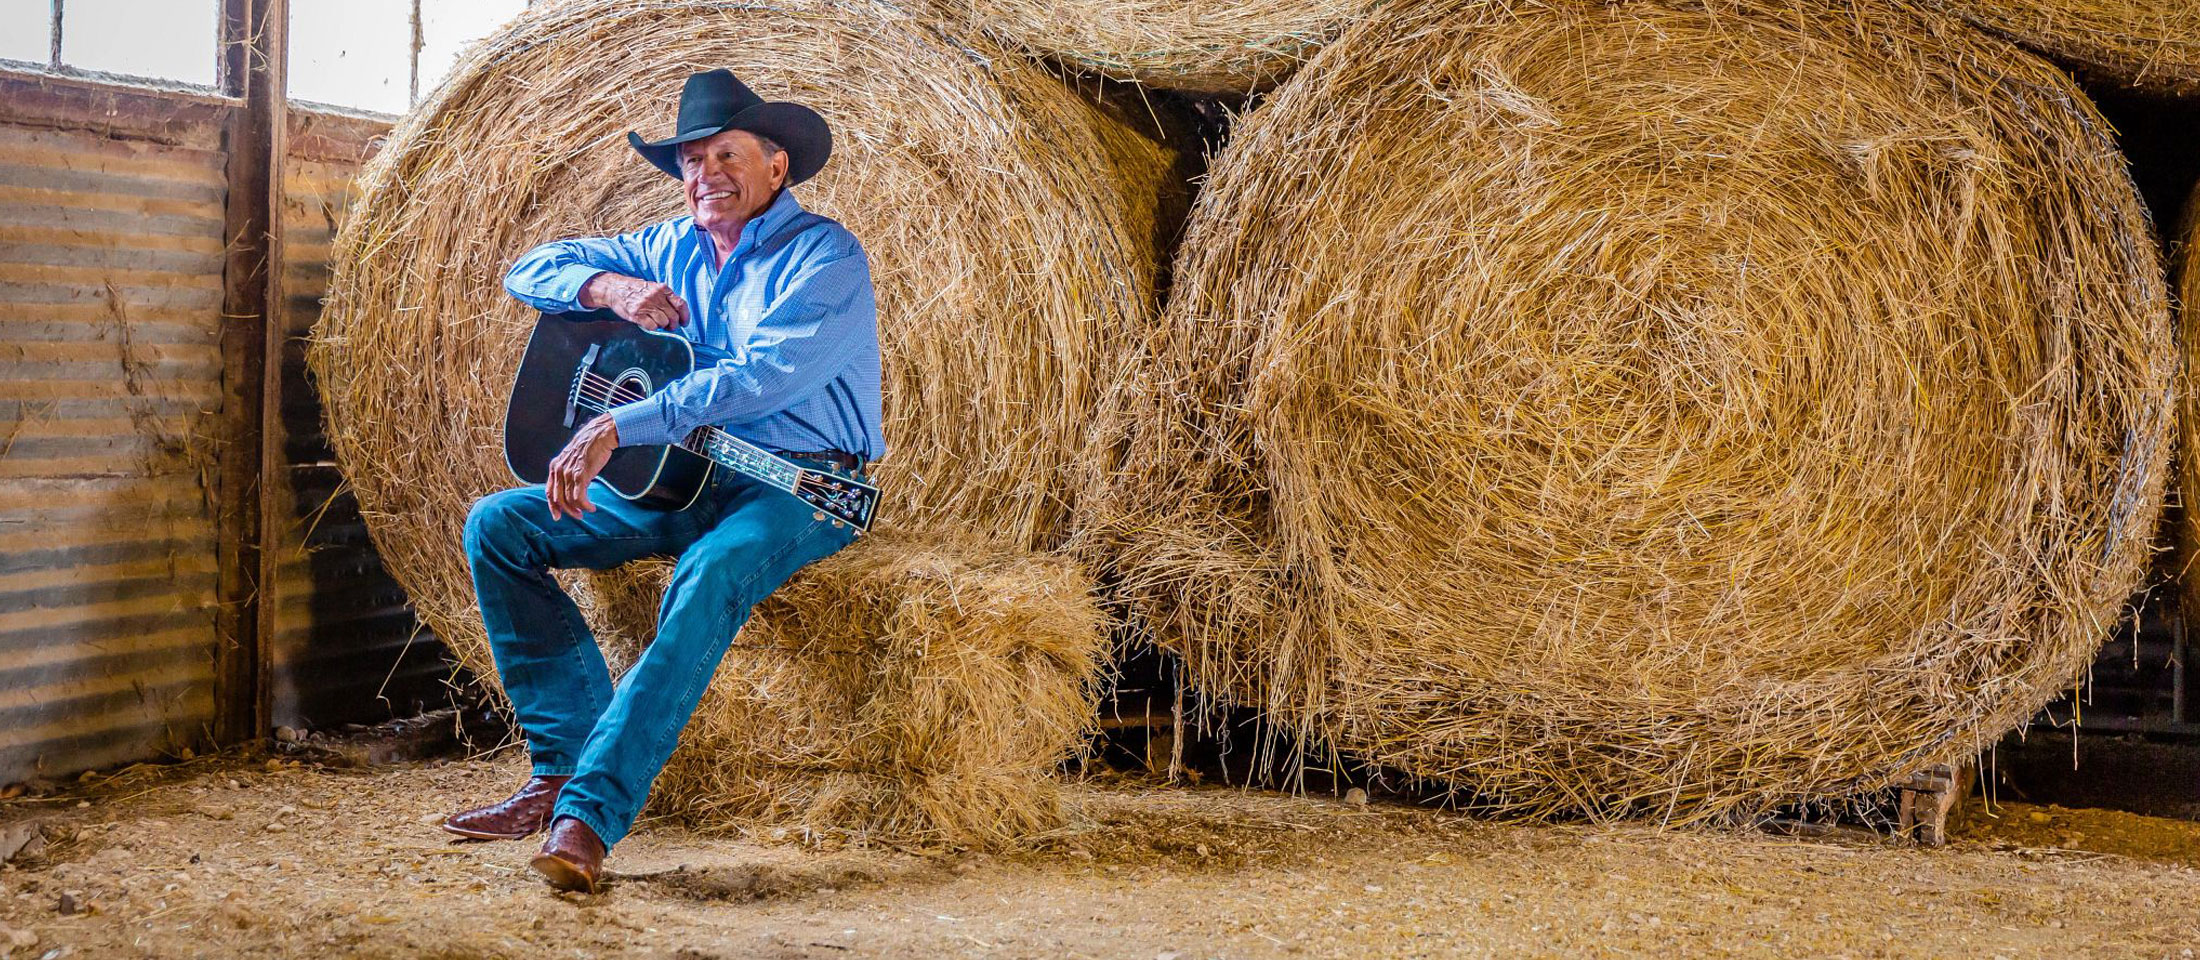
(231, 859)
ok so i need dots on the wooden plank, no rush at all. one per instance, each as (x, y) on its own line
(253, 55)
(1928, 800)
(113, 110)
(324, 137)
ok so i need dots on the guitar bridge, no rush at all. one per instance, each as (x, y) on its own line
(573, 394)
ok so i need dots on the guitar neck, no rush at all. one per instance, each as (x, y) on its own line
(743, 457)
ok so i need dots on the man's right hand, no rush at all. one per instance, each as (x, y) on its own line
(646, 303)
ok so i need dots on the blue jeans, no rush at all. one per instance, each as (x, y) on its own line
(736, 544)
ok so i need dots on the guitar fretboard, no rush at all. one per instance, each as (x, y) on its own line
(748, 458)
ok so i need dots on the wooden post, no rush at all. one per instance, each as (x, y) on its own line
(2180, 652)
(253, 55)
(1930, 800)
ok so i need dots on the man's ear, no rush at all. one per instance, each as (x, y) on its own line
(779, 170)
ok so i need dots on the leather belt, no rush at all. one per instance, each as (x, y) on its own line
(839, 458)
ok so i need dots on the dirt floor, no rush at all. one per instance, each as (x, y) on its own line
(224, 858)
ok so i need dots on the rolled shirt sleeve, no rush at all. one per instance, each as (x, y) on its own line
(549, 278)
(821, 320)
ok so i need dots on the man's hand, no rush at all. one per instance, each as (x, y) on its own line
(577, 464)
(648, 304)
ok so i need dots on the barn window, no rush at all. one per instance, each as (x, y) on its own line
(383, 55)
(167, 41)
(379, 56)
(352, 53)
(26, 31)
(152, 39)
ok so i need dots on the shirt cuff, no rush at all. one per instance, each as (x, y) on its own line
(641, 423)
(565, 285)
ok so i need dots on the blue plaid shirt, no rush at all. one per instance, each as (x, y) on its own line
(786, 335)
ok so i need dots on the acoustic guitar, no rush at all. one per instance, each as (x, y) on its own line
(578, 365)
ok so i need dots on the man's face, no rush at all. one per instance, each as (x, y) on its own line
(729, 178)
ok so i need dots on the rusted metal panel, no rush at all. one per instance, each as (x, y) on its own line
(346, 648)
(111, 253)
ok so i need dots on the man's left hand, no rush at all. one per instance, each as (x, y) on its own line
(577, 464)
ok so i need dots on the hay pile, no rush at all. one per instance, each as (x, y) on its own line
(1009, 227)
(1655, 409)
(2150, 44)
(1198, 45)
(910, 690)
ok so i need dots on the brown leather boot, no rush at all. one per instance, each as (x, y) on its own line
(571, 857)
(515, 818)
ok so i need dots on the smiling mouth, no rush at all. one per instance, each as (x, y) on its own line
(713, 195)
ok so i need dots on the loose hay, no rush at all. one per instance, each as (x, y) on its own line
(2151, 44)
(1197, 45)
(1653, 409)
(1009, 226)
(907, 691)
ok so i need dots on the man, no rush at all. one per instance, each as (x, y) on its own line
(779, 301)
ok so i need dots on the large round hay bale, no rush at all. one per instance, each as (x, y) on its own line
(918, 691)
(1203, 46)
(1009, 226)
(1659, 408)
(2150, 44)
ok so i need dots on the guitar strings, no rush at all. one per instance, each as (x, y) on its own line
(608, 390)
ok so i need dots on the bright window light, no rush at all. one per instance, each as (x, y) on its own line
(26, 30)
(448, 26)
(350, 53)
(160, 39)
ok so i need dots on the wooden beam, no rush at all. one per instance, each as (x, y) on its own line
(167, 117)
(334, 137)
(253, 55)
(1930, 801)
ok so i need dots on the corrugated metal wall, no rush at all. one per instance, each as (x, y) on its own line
(111, 255)
(346, 648)
(110, 294)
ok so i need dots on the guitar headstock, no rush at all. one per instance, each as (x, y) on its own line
(849, 501)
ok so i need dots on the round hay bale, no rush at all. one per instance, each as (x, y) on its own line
(2149, 44)
(1201, 46)
(1009, 226)
(1662, 408)
(914, 690)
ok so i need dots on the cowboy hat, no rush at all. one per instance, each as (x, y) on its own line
(715, 101)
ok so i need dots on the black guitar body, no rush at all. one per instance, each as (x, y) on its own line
(575, 363)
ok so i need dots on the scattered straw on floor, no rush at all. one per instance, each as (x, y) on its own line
(1009, 226)
(914, 691)
(2150, 44)
(1198, 45)
(1655, 409)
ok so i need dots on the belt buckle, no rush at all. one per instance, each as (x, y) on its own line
(837, 463)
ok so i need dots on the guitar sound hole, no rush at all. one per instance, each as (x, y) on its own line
(630, 386)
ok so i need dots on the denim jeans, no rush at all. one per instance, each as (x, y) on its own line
(736, 544)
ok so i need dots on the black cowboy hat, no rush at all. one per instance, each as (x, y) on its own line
(715, 101)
